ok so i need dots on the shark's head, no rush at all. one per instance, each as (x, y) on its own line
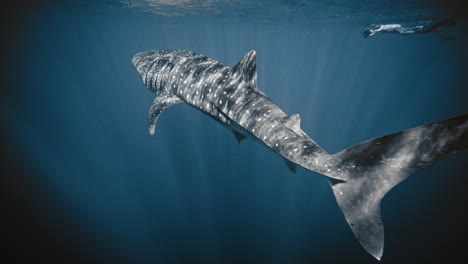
(144, 62)
(154, 65)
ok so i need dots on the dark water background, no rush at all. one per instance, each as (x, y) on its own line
(84, 182)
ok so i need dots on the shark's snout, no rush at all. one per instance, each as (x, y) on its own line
(136, 59)
(142, 62)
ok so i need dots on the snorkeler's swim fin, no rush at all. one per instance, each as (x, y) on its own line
(443, 36)
(377, 165)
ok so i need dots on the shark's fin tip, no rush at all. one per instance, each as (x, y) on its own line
(291, 166)
(239, 136)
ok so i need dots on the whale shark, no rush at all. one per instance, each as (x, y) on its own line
(359, 176)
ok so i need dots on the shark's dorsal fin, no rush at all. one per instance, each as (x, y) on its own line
(160, 103)
(247, 68)
(293, 122)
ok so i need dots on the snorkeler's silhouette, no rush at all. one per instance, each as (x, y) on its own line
(399, 29)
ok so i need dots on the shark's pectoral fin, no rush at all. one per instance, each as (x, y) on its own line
(160, 103)
(291, 166)
(247, 68)
(239, 136)
(293, 122)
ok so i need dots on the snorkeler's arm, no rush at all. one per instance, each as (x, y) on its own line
(367, 32)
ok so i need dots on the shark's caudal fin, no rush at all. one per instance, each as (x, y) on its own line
(377, 165)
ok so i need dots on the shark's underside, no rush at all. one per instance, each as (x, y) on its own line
(359, 176)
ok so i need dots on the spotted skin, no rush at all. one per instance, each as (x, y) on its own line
(360, 176)
(231, 96)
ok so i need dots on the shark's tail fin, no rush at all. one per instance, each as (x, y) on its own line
(377, 165)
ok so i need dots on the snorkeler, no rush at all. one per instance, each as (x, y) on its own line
(399, 29)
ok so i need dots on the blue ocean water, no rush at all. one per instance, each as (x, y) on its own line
(92, 184)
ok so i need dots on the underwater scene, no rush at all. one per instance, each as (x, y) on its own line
(234, 131)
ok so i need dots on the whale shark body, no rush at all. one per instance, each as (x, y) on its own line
(359, 176)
